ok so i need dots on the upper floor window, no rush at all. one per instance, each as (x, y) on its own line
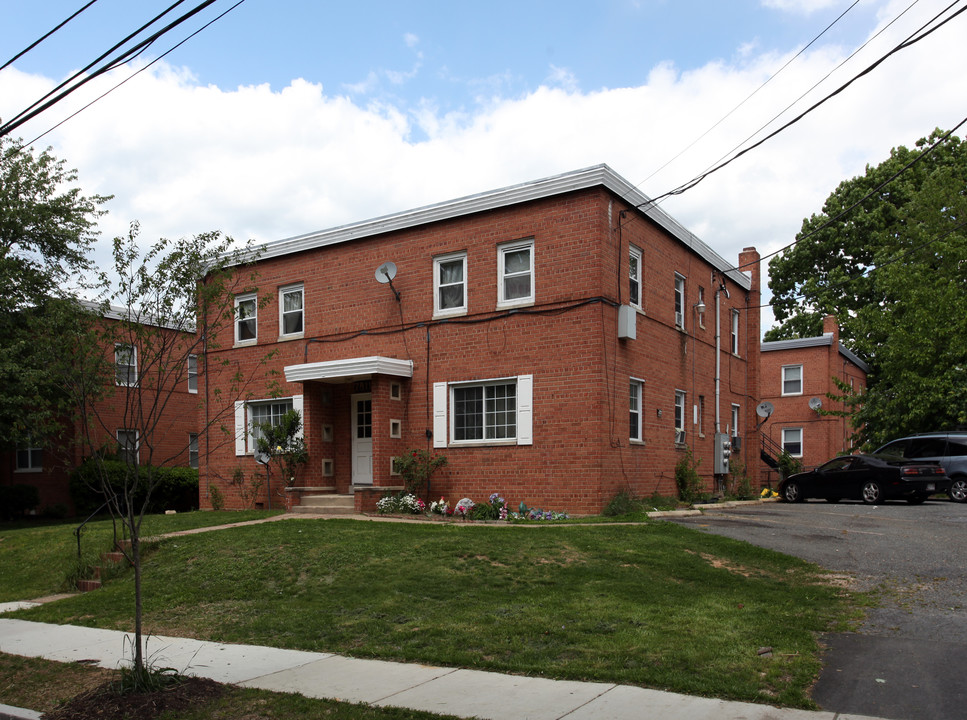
(735, 421)
(515, 273)
(290, 310)
(246, 318)
(634, 411)
(792, 380)
(679, 301)
(735, 332)
(126, 365)
(679, 416)
(634, 277)
(192, 373)
(450, 284)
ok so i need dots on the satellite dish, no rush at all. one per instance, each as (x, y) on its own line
(764, 409)
(386, 272)
(815, 403)
(262, 458)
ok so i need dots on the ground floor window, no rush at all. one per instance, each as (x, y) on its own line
(680, 416)
(634, 411)
(792, 441)
(128, 446)
(30, 458)
(487, 412)
(251, 415)
(193, 450)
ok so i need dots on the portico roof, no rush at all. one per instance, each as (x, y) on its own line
(349, 369)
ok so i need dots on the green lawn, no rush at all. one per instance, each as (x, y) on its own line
(652, 604)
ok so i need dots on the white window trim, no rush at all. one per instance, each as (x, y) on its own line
(282, 293)
(635, 253)
(137, 442)
(243, 420)
(681, 401)
(736, 409)
(679, 295)
(30, 468)
(802, 440)
(192, 375)
(502, 250)
(437, 262)
(133, 364)
(802, 381)
(443, 423)
(734, 326)
(239, 299)
(196, 438)
(640, 384)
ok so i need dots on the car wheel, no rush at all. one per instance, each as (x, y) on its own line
(958, 490)
(872, 493)
(917, 499)
(791, 492)
(833, 500)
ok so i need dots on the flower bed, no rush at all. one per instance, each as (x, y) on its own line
(496, 508)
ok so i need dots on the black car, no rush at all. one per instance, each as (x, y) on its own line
(870, 478)
(947, 448)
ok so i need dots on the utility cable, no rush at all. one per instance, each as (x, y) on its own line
(37, 42)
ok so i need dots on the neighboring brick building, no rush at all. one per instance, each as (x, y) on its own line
(796, 377)
(47, 464)
(556, 340)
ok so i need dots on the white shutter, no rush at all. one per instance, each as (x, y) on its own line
(240, 429)
(440, 424)
(525, 410)
(297, 406)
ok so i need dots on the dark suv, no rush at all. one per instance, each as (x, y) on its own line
(947, 448)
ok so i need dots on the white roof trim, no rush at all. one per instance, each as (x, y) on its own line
(801, 343)
(515, 194)
(349, 368)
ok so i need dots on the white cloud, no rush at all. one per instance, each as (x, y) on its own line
(265, 163)
(802, 7)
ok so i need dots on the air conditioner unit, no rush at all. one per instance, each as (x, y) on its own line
(679, 320)
(680, 437)
(736, 443)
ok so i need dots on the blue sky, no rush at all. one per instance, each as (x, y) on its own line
(287, 117)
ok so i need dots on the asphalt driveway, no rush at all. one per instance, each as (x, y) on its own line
(907, 661)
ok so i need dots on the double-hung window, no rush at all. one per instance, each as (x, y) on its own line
(246, 318)
(450, 284)
(792, 380)
(634, 277)
(792, 441)
(679, 301)
(125, 365)
(515, 273)
(30, 458)
(193, 450)
(291, 310)
(735, 332)
(634, 410)
(679, 416)
(192, 373)
(488, 412)
(128, 446)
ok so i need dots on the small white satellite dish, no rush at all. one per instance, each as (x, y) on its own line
(815, 403)
(386, 272)
(764, 409)
(262, 458)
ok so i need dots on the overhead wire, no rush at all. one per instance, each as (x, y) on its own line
(44, 103)
(39, 40)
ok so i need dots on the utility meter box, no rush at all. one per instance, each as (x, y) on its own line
(723, 449)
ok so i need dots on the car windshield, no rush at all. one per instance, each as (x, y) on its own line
(840, 463)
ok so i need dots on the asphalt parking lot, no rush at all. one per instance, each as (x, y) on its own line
(908, 658)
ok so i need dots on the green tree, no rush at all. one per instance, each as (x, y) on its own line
(894, 272)
(47, 234)
(157, 296)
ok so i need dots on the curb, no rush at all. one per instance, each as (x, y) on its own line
(9, 712)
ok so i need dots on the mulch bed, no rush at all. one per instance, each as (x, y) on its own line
(104, 702)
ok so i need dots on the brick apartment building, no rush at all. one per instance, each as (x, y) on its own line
(48, 462)
(796, 377)
(558, 341)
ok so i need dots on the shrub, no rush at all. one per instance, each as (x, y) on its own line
(687, 479)
(416, 467)
(176, 488)
(17, 500)
(216, 498)
(401, 504)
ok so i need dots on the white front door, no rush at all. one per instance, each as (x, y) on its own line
(362, 420)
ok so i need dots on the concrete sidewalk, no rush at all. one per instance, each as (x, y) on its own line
(453, 691)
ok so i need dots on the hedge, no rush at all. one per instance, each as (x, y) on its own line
(16, 500)
(176, 488)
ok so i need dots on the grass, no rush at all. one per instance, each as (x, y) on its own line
(51, 548)
(652, 604)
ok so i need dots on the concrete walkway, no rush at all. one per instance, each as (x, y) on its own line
(453, 691)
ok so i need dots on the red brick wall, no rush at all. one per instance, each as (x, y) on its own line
(581, 453)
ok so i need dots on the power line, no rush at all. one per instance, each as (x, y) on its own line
(37, 42)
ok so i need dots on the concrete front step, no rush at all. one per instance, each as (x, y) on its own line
(327, 504)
